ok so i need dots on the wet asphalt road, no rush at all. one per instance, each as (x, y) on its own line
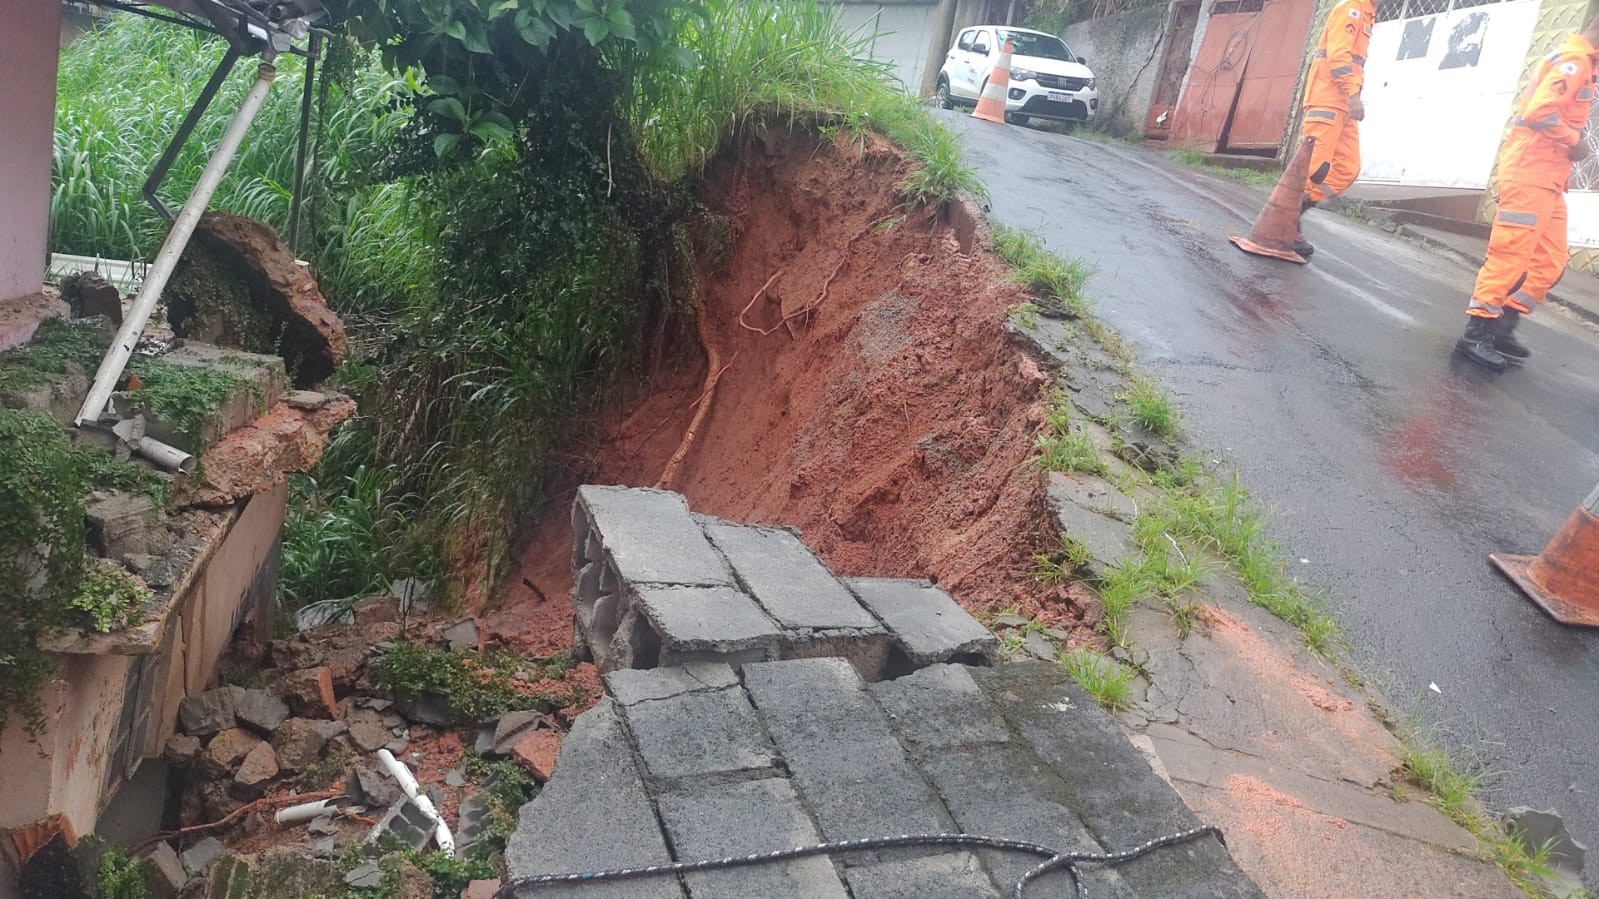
(1390, 468)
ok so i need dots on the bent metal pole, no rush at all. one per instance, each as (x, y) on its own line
(155, 279)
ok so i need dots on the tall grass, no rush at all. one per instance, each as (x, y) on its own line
(789, 56)
(124, 88)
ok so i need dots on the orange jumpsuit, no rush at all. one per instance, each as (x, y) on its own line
(1337, 72)
(1527, 249)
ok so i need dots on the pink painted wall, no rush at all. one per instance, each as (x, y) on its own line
(29, 37)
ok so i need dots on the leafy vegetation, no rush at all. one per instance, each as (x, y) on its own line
(478, 687)
(1198, 160)
(121, 876)
(109, 595)
(1042, 271)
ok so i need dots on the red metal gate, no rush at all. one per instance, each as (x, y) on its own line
(1173, 67)
(1241, 87)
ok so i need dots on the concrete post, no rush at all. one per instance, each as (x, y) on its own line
(28, 47)
(938, 46)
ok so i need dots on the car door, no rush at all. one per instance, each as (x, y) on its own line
(977, 62)
(960, 64)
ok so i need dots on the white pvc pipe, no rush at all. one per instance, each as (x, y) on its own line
(168, 457)
(402, 776)
(306, 811)
(155, 280)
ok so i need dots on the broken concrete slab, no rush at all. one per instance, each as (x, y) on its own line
(1543, 830)
(706, 732)
(593, 815)
(209, 712)
(201, 855)
(227, 749)
(629, 686)
(648, 535)
(706, 624)
(462, 636)
(364, 876)
(372, 788)
(367, 730)
(926, 624)
(1107, 541)
(787, 579)
(840, 751)
(124, 524)
(1090, 492)
(298, 743)
(708, 819)
(260, 710)
(940, 707)
(164, 873)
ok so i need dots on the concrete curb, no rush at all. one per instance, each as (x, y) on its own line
(1581, 310)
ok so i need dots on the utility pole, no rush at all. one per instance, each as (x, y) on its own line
(942, 26)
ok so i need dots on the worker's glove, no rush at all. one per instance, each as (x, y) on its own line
(1357, 108)
(1580, 150)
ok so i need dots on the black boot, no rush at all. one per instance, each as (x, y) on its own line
(1477, 344)
(1303, 247)
(1505, 336)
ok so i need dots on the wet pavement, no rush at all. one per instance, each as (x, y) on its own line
(1390, 468)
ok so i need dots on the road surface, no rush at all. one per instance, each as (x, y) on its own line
(1390, 468)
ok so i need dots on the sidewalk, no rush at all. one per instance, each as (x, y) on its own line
(1577, 291)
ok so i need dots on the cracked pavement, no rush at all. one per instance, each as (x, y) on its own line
(1390, 471)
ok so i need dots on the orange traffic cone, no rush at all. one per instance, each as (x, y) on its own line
(1563, 579)
(991, 105)
(1278, 225)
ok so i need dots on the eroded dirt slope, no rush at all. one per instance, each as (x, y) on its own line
(865, 392)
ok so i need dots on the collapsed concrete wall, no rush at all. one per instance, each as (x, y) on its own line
(1124, 52)
(658, 586)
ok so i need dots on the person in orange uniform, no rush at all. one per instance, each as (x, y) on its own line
(1527, 249)
(1333, 107)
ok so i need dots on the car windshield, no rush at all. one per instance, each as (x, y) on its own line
(1027, 43)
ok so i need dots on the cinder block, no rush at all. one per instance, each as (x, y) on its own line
(926, 624)
(940, 707)
(698, 733)
(648, 535)
(706, 624)
(788, 581)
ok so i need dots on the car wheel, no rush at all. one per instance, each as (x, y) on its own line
(941, 94)
(1012, 118)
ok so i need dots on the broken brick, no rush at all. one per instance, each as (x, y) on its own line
(537, 751)
(309, 693)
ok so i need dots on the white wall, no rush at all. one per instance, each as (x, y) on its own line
(898, 33)
(30, 31)
(1435, 119)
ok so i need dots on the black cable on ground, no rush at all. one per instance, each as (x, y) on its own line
(1054, 861)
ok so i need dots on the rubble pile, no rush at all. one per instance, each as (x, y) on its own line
(325, 759)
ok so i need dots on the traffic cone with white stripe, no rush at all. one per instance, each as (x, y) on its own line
(1277, 227)
(1563, 579)
(991, 105)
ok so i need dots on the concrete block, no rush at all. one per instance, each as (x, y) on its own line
(631, 686)
(124, 524)
(1090, 492)
(715, 820)
(649, 535)
(841, 754)
(260, 710)
(209, 712)
(164, 874)
(940, 707)
(953, 875)
(706, 732)
(927, 625)
(1112, 790)
(593, 814)
(788, 581)
(406, 820)
(198, 857)
(707, 624)
(262, 380)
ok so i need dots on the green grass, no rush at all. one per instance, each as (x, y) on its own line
(1454, 791)
(1198, 160)
(1042, 271)
(1151, 408)
(1108, 681)
(123, 88)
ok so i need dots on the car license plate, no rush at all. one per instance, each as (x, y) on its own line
(1060, 96)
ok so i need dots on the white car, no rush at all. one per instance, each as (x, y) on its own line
(1047, 80)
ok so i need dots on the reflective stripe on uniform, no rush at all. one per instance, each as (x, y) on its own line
(1518, 218)
(1543, 124)
(1321, 114)
(1321, 54)
(1341, 71)
(1585, 94)
(1522, 301)
(1483, 310)
(1359, 60)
